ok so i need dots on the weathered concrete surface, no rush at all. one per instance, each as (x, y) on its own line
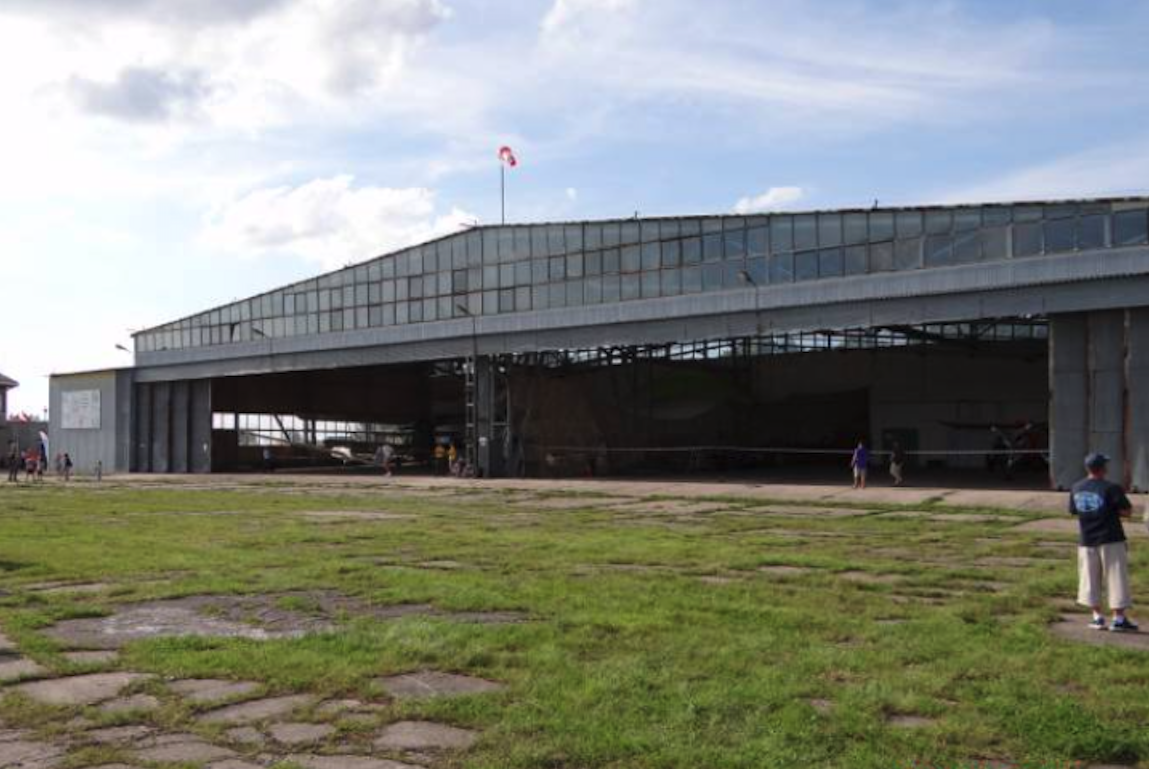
(296, 734)
(79, 690)
(256, 710)
(120, 734)
(346, 762)
(101, 657)
(1073, 627)
(1134, 529)
(30, 754)
(143, 702)
(205, 690)
(246, 735)
(429, 684)
(182, 748)
(424, 735)
(12, 668)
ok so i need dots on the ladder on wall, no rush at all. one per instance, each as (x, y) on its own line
(470, 395)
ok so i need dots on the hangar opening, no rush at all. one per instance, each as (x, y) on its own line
(969, 397)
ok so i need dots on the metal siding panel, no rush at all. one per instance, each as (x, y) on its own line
(1137, 392)
(1068, 424)
(161, 428)
(200, 448)
(1107, 387)
(180, 433)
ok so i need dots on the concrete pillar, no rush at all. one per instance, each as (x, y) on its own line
(1137, 398)
(1069, 394)
(484, 415)
(1107, 388)
(143, 429)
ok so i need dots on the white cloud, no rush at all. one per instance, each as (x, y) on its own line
(568, 17)
(773, 199)
(572, 194)
(331, 221)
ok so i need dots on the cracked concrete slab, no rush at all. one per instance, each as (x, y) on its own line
(431, 684)
(30, 754)
(141, 702)
(206, 690)
(120, 734)
(297, 734)
(19, 667)
(424, 735)
(79, 690)
(309, 761)
(183, 748)
(256, 710)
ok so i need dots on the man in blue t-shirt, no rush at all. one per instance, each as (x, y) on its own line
(1102, 553)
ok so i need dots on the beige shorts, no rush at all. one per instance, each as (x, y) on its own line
(1104, 570)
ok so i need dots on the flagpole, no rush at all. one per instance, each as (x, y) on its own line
(503, 191)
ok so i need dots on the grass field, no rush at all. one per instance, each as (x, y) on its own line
(655, 635)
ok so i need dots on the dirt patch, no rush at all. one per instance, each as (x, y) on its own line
(1020, 562)
(672, 507)
(1075, 628)
(825, 707)
(571, 503)
(430, 684)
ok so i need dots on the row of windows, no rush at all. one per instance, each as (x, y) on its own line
(726, 254)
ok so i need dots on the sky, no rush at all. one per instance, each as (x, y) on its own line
(158, 157)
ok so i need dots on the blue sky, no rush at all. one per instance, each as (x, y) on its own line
(160, 156)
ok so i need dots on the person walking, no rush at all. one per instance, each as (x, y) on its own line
(67, 463)
(860, 463)
(388, 452)
(13, 462)
(1102, 553)
(898, 464)
(440, 456)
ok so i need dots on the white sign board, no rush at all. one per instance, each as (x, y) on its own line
(81, 410)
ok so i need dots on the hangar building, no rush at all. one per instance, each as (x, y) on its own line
(712, 342)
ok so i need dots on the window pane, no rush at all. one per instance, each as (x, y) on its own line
(650, 281)
(805, 231)
(855, 229)
(629, 233)
(908, 254)
(881, 226)
(593, 290)
(967, 247)
(692, 251)
(1060, 235)
(594, 263)
(830, 263)
(1129, 228)
(995, 243)
(671, 253)
(523, 298)
(711, 277)
(735, 244)
(712, 247)
(574, 293)
(939, 222)
(939, 251)
(671, 282)
(806, 265)
(781, 234)
(782, 268)
(574, 266)
(649, 231)
(1091, 231)
(692, 280)
(631, 286)
(611, 260)
(757, 241)
(967, 219)
(651, 256)
(909, 224)
(631, 259)
(611, 289)
(854, 261)
(881, 257)
(611, 234)
(829, 230)
(1027, 239)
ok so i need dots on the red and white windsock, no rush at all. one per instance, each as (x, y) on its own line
(507, 155)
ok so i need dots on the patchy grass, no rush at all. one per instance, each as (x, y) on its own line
(630, 658)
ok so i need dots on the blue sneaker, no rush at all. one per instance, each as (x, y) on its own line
(1124, 625)
(1098, 623)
